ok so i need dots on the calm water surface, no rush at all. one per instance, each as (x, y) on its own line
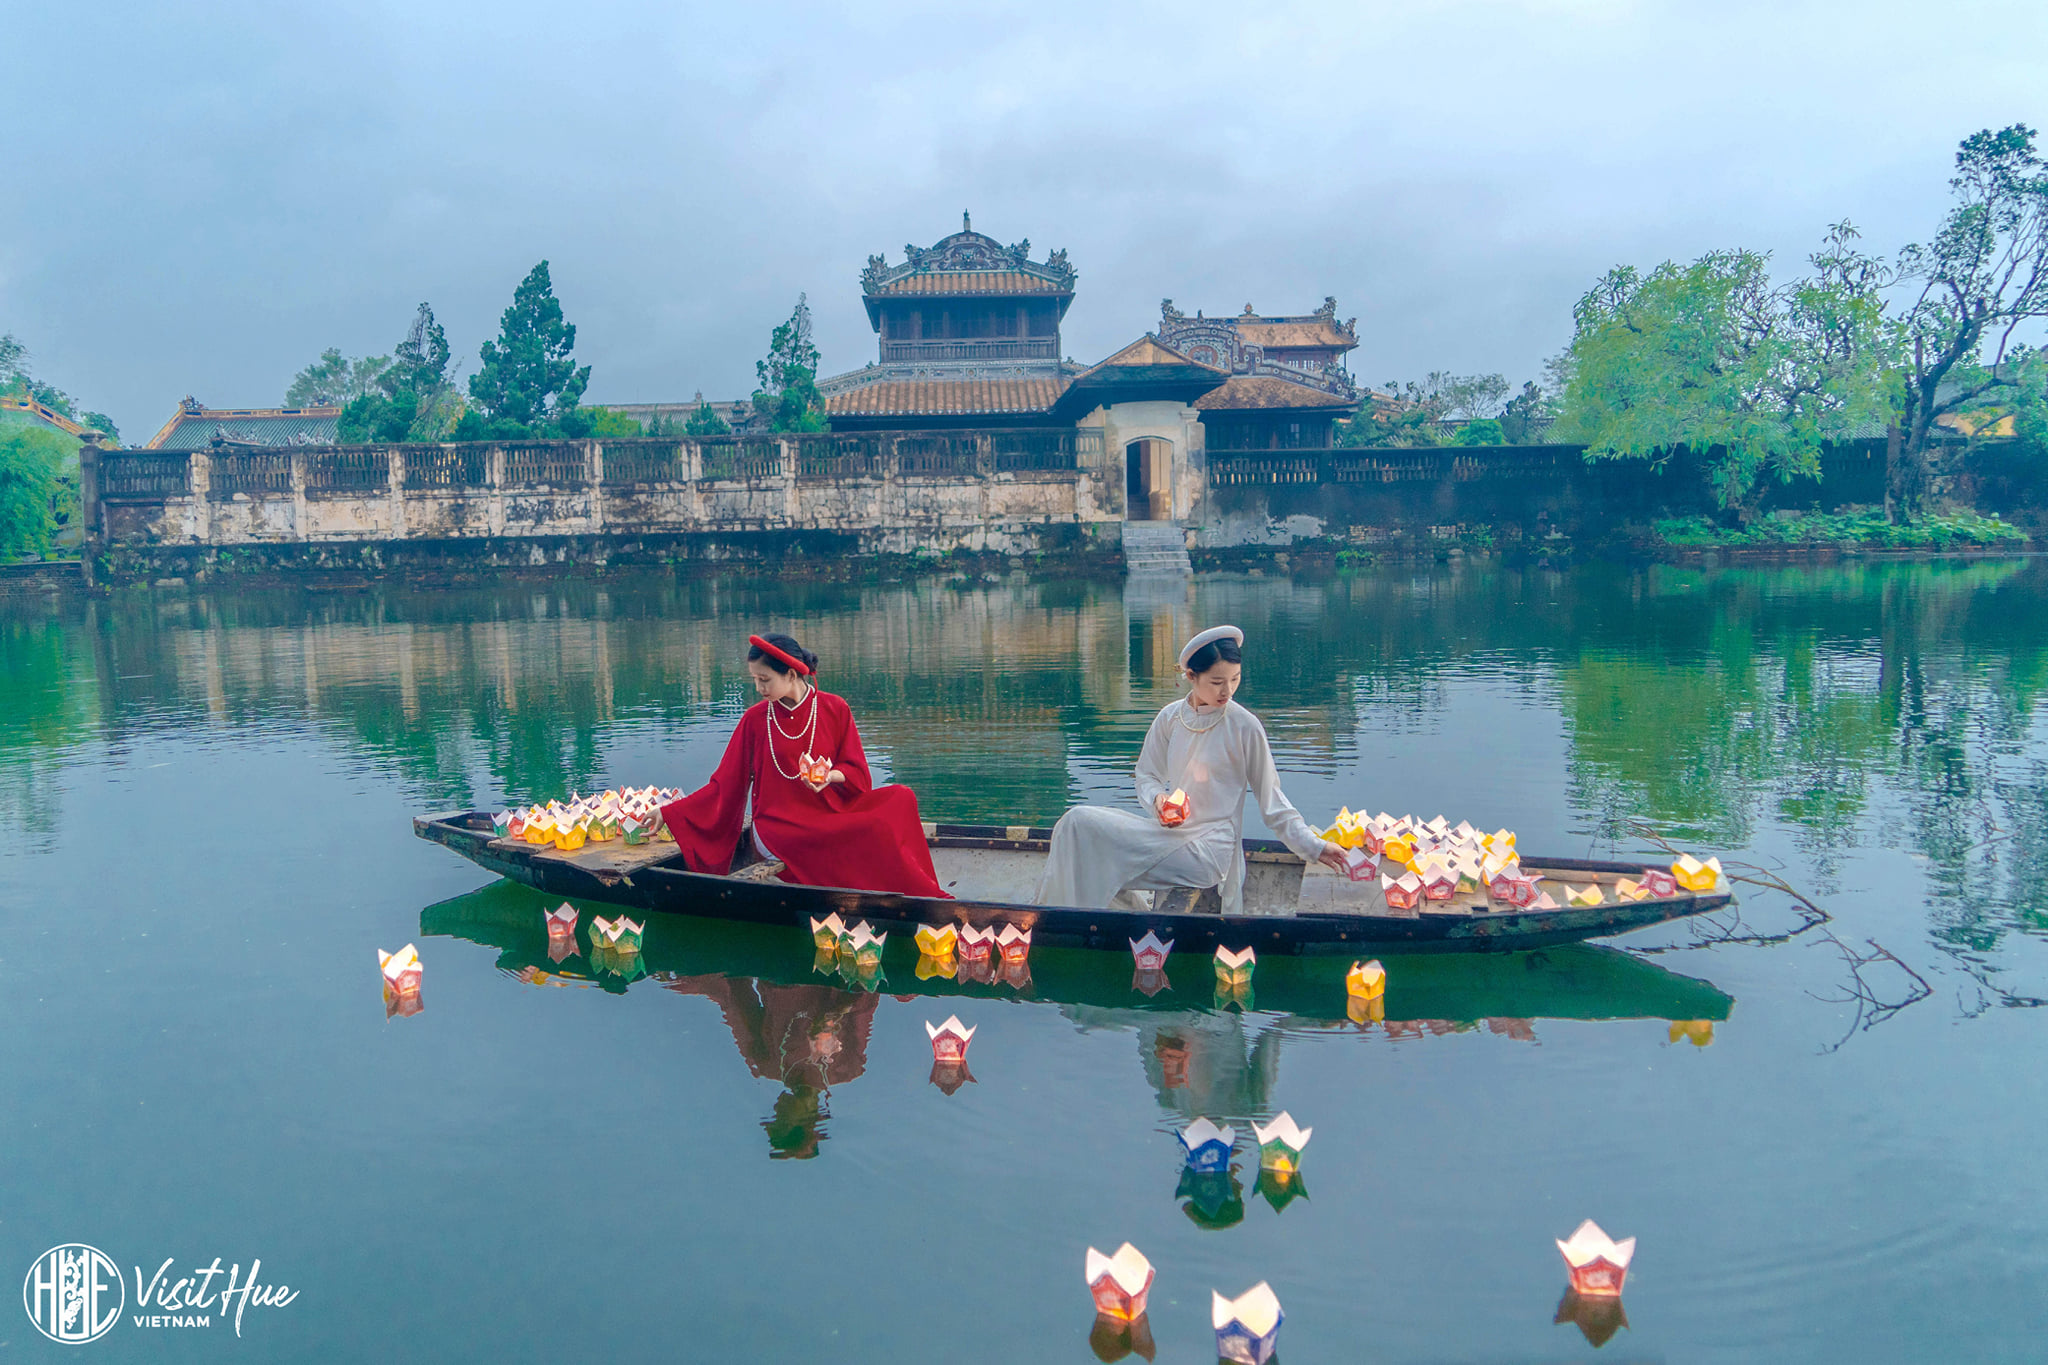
(205, 804)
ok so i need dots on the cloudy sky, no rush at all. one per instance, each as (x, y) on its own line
(204, 195)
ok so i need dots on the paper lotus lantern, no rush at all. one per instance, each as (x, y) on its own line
(826, 933)
(620, 935)
(560, 920)
(1398, 848)
(1629, 889)
(1660, 883)
(864, 946)
(634, 830)
(1581, 896)
(1439, 882)
(1207, 1145)
(976, 944)
(1366, 980)
(402, 969)
(1234, 969)
(1014, 943)
(1345, 831)
(1173, 809)
(814, 770)
(1149, 953)
(1597, 1262)
(1280, 1143)
(1694, 875)
(1359, 865)
(1543, 902)
(570, 837)
(540, 829)
(501, 823)
(1402, 894)
(949, 1040)
(1513, 885)
(1120, 1283)
(936, 941)
(1248, 1326)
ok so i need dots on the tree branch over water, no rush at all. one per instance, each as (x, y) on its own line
(1872, 1009)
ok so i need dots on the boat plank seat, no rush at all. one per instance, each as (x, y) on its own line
(1188, 900)
(768, 871)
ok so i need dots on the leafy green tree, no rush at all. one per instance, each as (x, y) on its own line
(17, 380)
(705, 421)
(1485, 432)
(788, 396)
(1525, 415)
(1413, 411)
(32, 463)
(414, 399)
(1981, 279)
(605, 422)
(1710, 356)
(334, 380)
(529, 379)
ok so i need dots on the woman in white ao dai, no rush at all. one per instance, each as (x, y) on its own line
(1215, 751)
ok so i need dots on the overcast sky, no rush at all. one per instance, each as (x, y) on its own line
(204, 195)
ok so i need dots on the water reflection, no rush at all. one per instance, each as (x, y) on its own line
(1598, 1316)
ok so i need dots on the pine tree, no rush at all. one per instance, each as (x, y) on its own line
(528, 378)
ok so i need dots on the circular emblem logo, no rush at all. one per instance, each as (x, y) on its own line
(73, 1293)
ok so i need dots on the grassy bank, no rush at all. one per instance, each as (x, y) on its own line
(1871, 530)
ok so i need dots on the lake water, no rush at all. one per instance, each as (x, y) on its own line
(205, 802)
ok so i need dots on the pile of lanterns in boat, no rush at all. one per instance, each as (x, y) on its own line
(1423, 861)
(632, 814)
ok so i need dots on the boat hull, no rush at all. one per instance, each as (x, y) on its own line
(644, 880)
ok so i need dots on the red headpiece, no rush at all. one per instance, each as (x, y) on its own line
(796, 665)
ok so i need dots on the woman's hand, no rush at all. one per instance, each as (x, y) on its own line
(1172, 814)
(1331, 856)
(834, 776)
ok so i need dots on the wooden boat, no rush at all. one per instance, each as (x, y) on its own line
(1580, 981)
(1289, 907)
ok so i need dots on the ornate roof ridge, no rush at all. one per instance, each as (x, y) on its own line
(967, 252)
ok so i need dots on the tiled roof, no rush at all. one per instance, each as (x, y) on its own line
(948, 397)
(1244, 392)
(999, 282)
(1288, 332)
(196, 428)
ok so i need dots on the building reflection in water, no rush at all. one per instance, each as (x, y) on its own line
(810, 1038)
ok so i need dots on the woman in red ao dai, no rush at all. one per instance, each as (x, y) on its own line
(830, 827)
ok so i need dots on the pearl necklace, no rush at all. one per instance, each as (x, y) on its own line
(806, 735)
(1182, 716)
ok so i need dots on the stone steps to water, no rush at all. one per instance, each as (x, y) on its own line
(1156, 547)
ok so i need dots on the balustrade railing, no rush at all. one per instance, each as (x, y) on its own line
(255, 475)
(144, 475)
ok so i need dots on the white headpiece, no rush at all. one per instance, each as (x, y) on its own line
(1209, 637)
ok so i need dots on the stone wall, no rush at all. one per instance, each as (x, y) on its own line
(1004, 492)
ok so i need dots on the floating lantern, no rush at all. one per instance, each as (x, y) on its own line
(1402, 894)
(827, 932)
(1598, 1263)
(1149, 953)
(620, 935)
(864, 946)
(1694, 875)
(402, 969)
(1120, 1283)
(936, 941)
(1174, 809)
(1280, 1143)
(1660, 883)
(560, 920)
(949, 1040)
(976, 944)
(1584, 895)
(1248, 1326)
(1207, 1146)
(1366, 980)
(1234, 969)
(1015, 943)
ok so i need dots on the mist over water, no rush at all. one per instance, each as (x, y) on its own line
(204, 832)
